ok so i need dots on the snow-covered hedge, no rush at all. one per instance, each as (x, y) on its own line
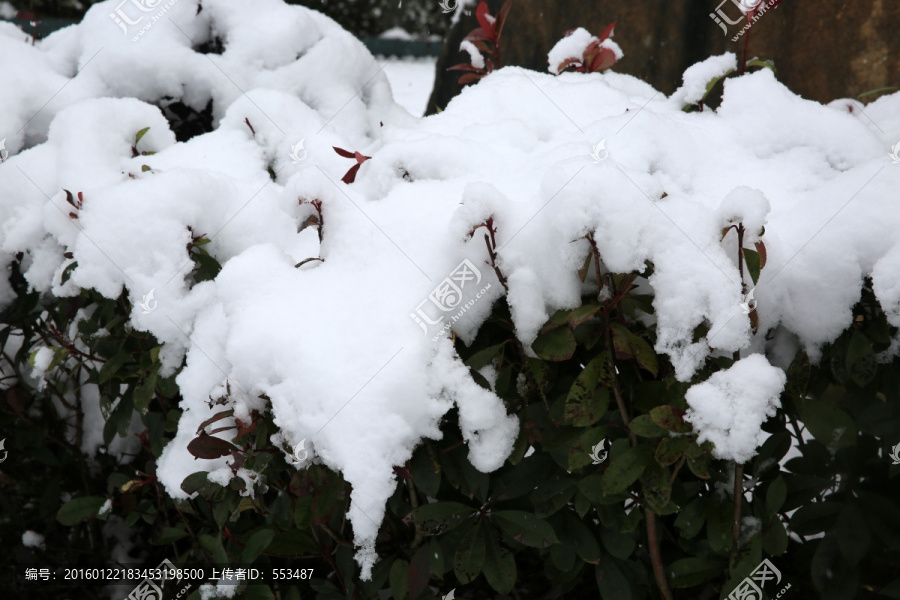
(272, 289)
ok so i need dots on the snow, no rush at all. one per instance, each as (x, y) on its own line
(396, 33)
(332, 344)
(43, 356)
(475, 57)
(728, 408)
(105, 508)
(698, 76)
(574, 45)
(570, 46)
(411, 81)
(32, 539)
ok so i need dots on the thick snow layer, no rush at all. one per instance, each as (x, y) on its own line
(352, 352)
(729, 407)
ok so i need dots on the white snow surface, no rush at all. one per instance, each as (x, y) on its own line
(729, 407)
(332, 343)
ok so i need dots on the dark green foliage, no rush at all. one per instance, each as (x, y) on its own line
(550, 523)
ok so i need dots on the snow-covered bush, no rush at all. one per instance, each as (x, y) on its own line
(488, 348)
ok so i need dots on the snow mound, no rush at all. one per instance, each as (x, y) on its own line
(728, 408)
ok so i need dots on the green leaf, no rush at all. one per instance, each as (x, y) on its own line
(213, 545)
(630, 345)
(774, 537)
(719, 517)
(618, 543)
(625, 468)
(551, 495)
(79, 509)
(657, 488)
(469, 558)
(440, 517)
(169, 535)
(828, 423)
(583, 314)
(670, 449)
(670, 418)
(256, 545)
(752, 262)
(776, 494)
(611, 582)
(814, 517)
(144, 394)
(689, 572)
(399, 579)
(425, 471)
(484, 357)
(586, 402)
(861, 364)
(499, 562)
(643, 426)
(140, 134)
(555, 345)
(111, 366)
(525, 528)
(853, 534)
(692, 517)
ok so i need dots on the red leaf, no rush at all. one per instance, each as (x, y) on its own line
(478, 35)
(483, 15)
(360, 158)
(469, 78)
(501, 18)
(608, 32)
(567, 63)
(73, 215)
(466, 67)
(605, 59)
(344, 153)
(350, 176)
(216, 417)
(209, 447)
(761, 248)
